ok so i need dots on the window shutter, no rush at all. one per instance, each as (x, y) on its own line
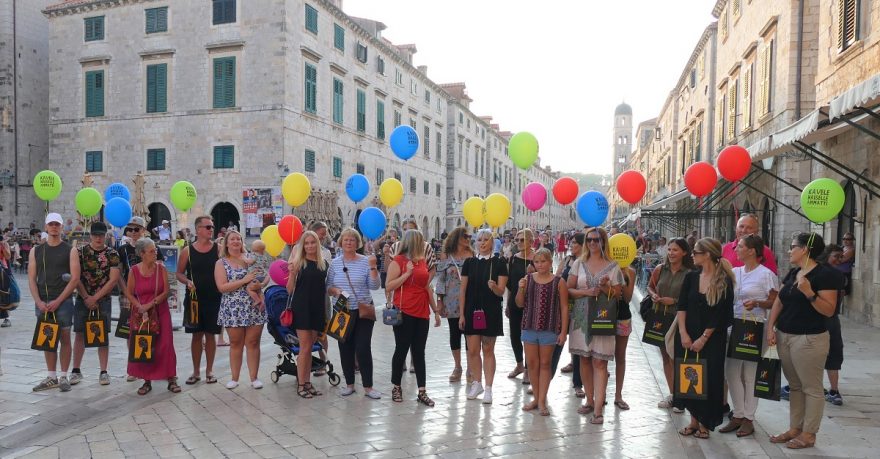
(731, 111)
(337, 101)
(766, 69)
(161, 88)
(719, 121)
(229, 87)
(224, 82)
(90, 29)
(229, 10)
(380, 119)
(99, 28)
(747, 98)
(311, 88)
(151, 88)
(224, 157)
(218, 80)
(95, 93)
(361, 111)
(151, 20)
(218, 12)
(847, 24)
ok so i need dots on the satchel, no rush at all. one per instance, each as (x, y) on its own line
(366, 311)
(46, 333)
(768, 376)
(602, 318)
(339, 327)
(657, 324)
(140, 350)
(97, 334)
(393, 315)
(690, 378)
(746, 339)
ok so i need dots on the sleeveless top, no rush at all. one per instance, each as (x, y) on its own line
(412, 296)
(541, 310)
(52, 263)
(201, 270)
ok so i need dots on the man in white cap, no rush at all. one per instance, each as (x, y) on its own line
(53, 273)
(163, 231)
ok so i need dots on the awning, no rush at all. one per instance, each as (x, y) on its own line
(671, 199)
(813, 128)
(866, 93)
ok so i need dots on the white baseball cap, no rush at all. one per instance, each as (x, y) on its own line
(54, 217)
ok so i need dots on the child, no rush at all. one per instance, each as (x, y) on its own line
(259, 262)
(544, 297)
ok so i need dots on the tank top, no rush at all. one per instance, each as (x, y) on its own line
(201, 270)
(542, 306)
(52, 263)
(412, 296)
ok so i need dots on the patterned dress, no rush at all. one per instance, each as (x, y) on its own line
(236, 307)
(580, 342)
(449, 284)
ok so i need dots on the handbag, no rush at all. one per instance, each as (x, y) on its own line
(647, 302)
(657, 324)
(746, 339)
(10, 295)
(46, 333)
(141, 348)
(602, 316)
(97, 334)
(478, 317)
(339, 327)
(690, 378)
(365, 310)
(393, 315)
(286, 317)
(768, 376)
(123, 330)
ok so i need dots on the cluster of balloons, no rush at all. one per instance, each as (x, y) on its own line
(494, 210)
(287, 231)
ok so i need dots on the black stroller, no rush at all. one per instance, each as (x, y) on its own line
(285, 338)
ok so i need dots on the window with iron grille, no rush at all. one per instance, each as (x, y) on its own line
(337, 167)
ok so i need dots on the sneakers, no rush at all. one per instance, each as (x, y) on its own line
(475, 390)
(6, 323)
(487, 396)
(666, 402)
(75, 378)
(232, 385)
(104, 379)
(257, 384)
(46, 384)
(783, 394)
(373, 394)
(346, 391)
(64, 384)
(834, 398)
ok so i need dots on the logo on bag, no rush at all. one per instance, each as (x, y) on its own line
(95, 332)
(143, 347)
(658, 325)
(764, 374)
(603, 314)
(690, 379)
(749, 337)
(47, 335)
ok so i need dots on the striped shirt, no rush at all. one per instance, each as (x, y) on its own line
(361, 281)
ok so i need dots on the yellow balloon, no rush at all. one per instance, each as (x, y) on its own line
(296, 189)
(473, 211)
(391, 192)
(622, 249)
(497, 209)
(272, 238)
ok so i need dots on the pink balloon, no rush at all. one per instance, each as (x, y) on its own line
(278, 272)
(534, 195)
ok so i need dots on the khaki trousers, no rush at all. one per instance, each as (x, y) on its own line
(803, 363)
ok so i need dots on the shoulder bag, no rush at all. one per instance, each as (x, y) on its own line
(392, 315)
(365, 310)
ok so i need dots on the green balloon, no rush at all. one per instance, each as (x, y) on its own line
(822, 199)
(88, 202)
(47, 185)
(183, 195)
(523, 150)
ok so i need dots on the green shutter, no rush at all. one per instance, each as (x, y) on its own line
(309, 161)
(337, 167)
(311, 19)
(156, 19)
(361, 110)
(94, 161)
(339, 37)
(337, 101)
(224, 157)
(224, 82)
(380, 119)
(224, 11)
(311, 90)
(156, 159)
(157, 88)
(94, 28)
(95, 93)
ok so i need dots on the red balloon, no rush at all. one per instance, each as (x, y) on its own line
(290, 228)
(734, 163)
(565, 190)
(631, 186)
(700, 178)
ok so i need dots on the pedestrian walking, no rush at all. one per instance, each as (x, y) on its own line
(518, 267)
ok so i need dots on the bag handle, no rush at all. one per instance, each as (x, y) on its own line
(686, 355)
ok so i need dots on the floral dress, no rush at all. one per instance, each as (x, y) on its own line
(236, 307)
(580, 342)
(449, 285)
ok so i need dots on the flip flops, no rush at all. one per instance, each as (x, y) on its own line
(192, 380)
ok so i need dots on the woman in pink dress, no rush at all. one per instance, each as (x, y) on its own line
(147, 290)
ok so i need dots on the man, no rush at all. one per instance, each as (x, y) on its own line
(48, 265)
(195, 269)
(163, 231)
(99, 273)
(748, 224)
(661, 247)
(320, 228)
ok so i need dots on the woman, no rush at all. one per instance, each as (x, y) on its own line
(544, 299)
(665, 288)
(507, 247)
(847, 260)
(704, 311)
(483, 280)
(242, 317)
(807, 298)
(407, 285)
(147, 293)
(621, 336)
(456, 249)
(179, 239)
(576, 245)
(755, 292)
(593, 274)
(518, 267)
(561, 244)
(307, 284)
(355, 275)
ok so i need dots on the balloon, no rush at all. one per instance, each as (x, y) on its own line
(117, 190)
(278, 272)
(183, 195)
(822, 199)
(296, 189)
(357, 187)
(47, 185)
(391, 192)
(497, 209)
(631, 186)
(88, 202)
(290, 228)
(565, 190)
(534, 195)
(592, 208)
(273, 241)
(523, 149)
(473, 211)
(118, 212)
(700, 178)
(372, 222)
(404, 141)
(734, 163)
(622, 249)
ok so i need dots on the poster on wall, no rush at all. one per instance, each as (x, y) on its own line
(261, 206)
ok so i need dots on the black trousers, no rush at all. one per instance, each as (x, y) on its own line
(455, 334)
(410, 335)
(358, 344)
(575, 366)
(515, 323)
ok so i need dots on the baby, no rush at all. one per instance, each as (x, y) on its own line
(259, 262)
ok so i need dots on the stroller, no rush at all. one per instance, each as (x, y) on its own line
(276, 301)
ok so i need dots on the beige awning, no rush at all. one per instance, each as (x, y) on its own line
(866, 93)
(805, 130)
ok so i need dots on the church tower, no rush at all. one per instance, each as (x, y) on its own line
(622, 138)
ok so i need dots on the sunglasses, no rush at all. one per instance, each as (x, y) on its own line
(594, 239)
(698, 252)
(466, 236)
(210, 227)
(131, 230)
(795, 246)
(519, 239)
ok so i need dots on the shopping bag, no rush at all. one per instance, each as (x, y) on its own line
(657, 323)
(122, 325)
(768, 376)
(191, 310)
(142, 340)
(746, 339)
(46, 333)
(602, 318)
(340, 325)
(690, 378)
(97, 334)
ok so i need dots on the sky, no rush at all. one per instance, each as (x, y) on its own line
(556, 68)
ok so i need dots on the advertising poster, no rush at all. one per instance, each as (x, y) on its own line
(262, 206)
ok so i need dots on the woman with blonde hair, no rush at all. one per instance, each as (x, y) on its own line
(519, 266)
(307, 284)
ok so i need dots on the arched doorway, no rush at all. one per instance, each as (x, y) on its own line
(158, 212)
(747, 207)
(224, 214)
(846, 220)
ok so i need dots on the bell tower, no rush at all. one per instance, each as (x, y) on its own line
(622, 138)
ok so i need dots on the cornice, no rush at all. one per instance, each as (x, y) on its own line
(85, 6)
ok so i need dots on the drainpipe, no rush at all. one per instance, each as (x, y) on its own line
(15, 105)
(800, 52)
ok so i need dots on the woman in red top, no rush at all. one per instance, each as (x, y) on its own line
(408, 286)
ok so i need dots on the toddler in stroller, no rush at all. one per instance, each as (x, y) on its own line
(276, 302)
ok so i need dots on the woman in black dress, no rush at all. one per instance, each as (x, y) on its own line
(705, 308)
(308, 273)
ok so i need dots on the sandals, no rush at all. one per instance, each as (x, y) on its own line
(687, 431)
(516, 372)
(585, 409)
(798, 443)
(309, 387)
(396, 394)
(424, 399)
(597, 419)
(568, 368)
(456, 375)
(192, 380)
(210, 379)
(526, 380)
(544, 411)
(145, 389)
(621, 404)
(747, 428)
(579, 392)
(303, 392)
(702, 434)
(732, 425)
(783, 437)
(172, 386)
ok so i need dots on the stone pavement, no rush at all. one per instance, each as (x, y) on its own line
(211, 421)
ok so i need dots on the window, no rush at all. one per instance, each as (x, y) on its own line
(311, 97)
(311, 19)
(337, 101)
(736, 6)
(397, 118)
(412, 123)
(701, 66)
(94, 28)
(722, 25)
(94, 161)
(337, 167)
(362, 53)
(398, 77)
(426, 141)
(426, 187)
(460, 118)
(765, 70)
(719, 119)
(380, 175)
(224, 82)
(361, 111)
(339, 37)
(698, 142)
(224, 11)
(157, 88)
(380, 65)
(95, 93)
(439, 104)
(847, 23)
(397, 176)
(380, 119)
(427, 96)
(747, 98)
(224, 157)
(438, 190)
(412, 184)
(413, 86)
(359, 168)
(731, 110)
(439, 144)
(309, 161)
(156, 159)
(156, 19)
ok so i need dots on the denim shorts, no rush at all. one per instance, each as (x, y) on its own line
(64, 313)
(81, 313)
(539, 337)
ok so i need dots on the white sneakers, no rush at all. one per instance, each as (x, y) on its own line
(231, 385)
(257, 384)
(487, 396)
(475, 390)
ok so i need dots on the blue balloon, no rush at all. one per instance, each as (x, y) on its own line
(372, 222)
(404, 142)
(117, 190)
(592, 208)
(118, 212)
(357, 187)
